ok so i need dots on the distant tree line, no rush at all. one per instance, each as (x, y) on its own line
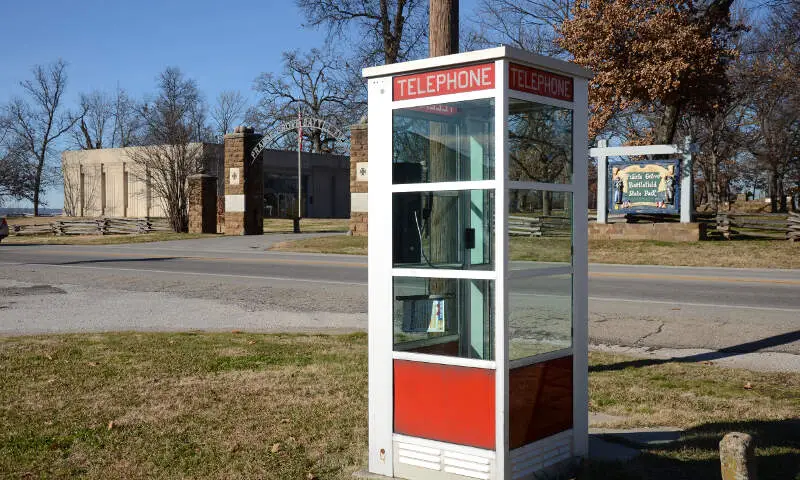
(664, 69)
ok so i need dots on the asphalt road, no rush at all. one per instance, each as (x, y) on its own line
(235, 282)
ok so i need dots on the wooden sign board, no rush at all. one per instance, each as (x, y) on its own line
(644, 187)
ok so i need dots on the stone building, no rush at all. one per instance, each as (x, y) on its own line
(107, 182)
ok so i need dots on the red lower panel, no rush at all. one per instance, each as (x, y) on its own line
(540, 401)
(444, 402)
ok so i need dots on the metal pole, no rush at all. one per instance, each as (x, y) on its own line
(687, 183)
(602, 184)
(299, 171)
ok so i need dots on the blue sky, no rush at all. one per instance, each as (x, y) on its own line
(222, 45)
(126, 43)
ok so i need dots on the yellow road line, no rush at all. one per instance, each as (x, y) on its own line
(695, 278)
(332, 263)
(209, 259)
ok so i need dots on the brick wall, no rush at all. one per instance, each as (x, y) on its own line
(244, 199)
(667, 232)
(202, 204)
(358, 189)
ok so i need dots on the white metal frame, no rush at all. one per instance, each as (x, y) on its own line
(381, 271)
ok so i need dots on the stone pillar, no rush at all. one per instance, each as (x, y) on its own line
(358, 179)
(202, 203)
(737, 457)
(244, 184)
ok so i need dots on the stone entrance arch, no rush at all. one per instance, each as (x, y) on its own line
(244, 172)
(297, 125)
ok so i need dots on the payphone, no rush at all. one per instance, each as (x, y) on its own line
(478, 278)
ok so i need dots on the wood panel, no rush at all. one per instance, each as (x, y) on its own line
(540, 401)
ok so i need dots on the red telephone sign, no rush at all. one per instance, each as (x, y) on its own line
(539, 82)
(444, 82)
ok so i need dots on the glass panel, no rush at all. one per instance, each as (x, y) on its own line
(539, 228)
(539, 142)
(540, 315)
(448, 229)
(446, 142)
(442, 316)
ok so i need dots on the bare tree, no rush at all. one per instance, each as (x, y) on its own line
(72, 190)
(387, 30)
(171, 154)
(771, 77)
(92, 131)
(527, 24)
(38, 121)
(16, 172)
(722, 136)
(128, 122)
(82, 189)
(228, 109)
(310, 84)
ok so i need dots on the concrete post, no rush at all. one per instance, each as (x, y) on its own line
(244, 184)
(737, 457)
(359, 185)
(602, 184)
(202, 203)
(687, 183)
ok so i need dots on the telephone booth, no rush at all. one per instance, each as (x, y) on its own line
(477, 266)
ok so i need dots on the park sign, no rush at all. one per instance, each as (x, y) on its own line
(644, 187)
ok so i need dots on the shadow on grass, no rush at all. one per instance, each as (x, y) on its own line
(696, 454)
(731, 351)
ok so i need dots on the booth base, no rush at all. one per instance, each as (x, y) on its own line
(666, 232)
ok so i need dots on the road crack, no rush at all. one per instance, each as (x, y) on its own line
(646, 336)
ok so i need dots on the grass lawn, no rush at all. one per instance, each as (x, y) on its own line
(307, 225)
(734, 253)
(239, 405)
(98, 239)
(344, 244)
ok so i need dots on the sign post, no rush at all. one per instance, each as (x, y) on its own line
(477, 359)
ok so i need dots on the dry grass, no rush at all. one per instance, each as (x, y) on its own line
(734, 253)
(707, 402)
(737, 253)
(182, 406)
(99, 239)
(40, 220)
(307, 225)
(344, 244)
(687, 395)
(283, 406)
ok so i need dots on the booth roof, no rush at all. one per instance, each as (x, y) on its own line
(505, 51)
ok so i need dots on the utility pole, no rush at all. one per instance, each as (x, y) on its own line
(442, 40)
(443, 28)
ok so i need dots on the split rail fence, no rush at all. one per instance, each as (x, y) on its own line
(541, 226)
(774, 226)
(98, 226)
